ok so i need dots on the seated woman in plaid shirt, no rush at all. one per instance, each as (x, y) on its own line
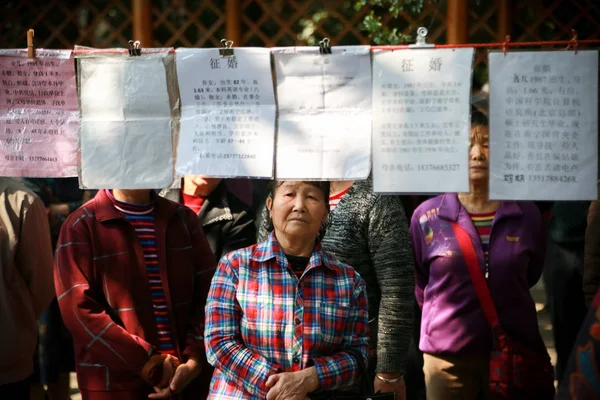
(280, 314)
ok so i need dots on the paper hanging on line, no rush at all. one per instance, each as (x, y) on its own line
(544, 125)
(227, 113)
(324, 124)
(125, 133)
(39, 114)
(421, 120)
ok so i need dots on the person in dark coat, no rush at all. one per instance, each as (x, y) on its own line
(563, 275)
(227, 221)
(591, 257)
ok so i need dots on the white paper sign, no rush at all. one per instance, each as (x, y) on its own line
(324, 126)
(125, 131)
(228, 113)
(421, 115)
(544, 125)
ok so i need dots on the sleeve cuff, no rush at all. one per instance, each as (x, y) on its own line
(152, 370)
(329, 373)
(389, 363)
(258, 384)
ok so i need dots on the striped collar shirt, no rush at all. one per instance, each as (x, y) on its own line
(142, 219)
(261, 319)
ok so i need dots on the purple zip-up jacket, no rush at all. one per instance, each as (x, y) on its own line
(453, 322)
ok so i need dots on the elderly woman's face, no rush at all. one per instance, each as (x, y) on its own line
(297, 210)
(479, 155)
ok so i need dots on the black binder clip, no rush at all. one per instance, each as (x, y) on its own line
(134, 48)
(227, 50)
(325, 46)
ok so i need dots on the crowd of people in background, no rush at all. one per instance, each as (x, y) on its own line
(234, 289)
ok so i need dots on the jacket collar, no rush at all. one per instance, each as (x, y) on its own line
(451, 208)
(215, 208)
(106, 211)
(271, 248)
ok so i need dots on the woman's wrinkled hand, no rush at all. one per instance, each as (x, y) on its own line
(292, 385)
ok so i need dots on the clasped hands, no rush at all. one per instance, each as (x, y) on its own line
(175, 377)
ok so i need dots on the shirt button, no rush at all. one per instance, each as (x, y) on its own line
(280, 333)
(297, 321)
(296, 360)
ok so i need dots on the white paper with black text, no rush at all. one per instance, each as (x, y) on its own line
(227, 114)
(544, 125)
(421, 116)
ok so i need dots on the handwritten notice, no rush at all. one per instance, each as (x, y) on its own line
(324, 125)
(421, 114)
(39, 114)
(228, 113)
(544, 125)
(126, 140)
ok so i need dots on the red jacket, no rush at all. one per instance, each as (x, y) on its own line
(105, 300)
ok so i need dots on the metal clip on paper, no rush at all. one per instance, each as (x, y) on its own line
(421, 42)
(227, 50)
(30, 48)
(134, 48)
(325, 46)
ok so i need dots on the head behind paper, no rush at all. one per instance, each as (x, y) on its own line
(479, 152)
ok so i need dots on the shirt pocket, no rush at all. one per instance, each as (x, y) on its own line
(332, 322)
(262, 326)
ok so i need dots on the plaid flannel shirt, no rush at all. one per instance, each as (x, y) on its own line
(262, 320)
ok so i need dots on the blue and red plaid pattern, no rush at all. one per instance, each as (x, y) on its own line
(261, 320)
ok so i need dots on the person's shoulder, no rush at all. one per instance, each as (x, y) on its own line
(364, 189)
(428, 205)
(178, 208)
(185, 211)
(342, 268)
(17, 190)
(530, 210)
(87, 210)
(237, 206)
(171, 193)
(242, 256)
(528, 206)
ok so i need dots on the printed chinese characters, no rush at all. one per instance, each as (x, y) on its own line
(38, 116)
(542, 137)
(419, 137)
(235, 123)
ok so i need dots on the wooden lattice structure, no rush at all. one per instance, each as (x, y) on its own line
(202, 23)
(63, 24)
(530, 21)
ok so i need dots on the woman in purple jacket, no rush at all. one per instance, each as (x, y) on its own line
(507, 236)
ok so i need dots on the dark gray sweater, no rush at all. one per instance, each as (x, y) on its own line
(370, 232)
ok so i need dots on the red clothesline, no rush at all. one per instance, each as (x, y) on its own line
(573, 43)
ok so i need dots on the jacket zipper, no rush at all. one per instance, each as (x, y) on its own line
(488, 261)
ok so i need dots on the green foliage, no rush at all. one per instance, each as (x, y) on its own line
(393, 31)
(309, 27)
